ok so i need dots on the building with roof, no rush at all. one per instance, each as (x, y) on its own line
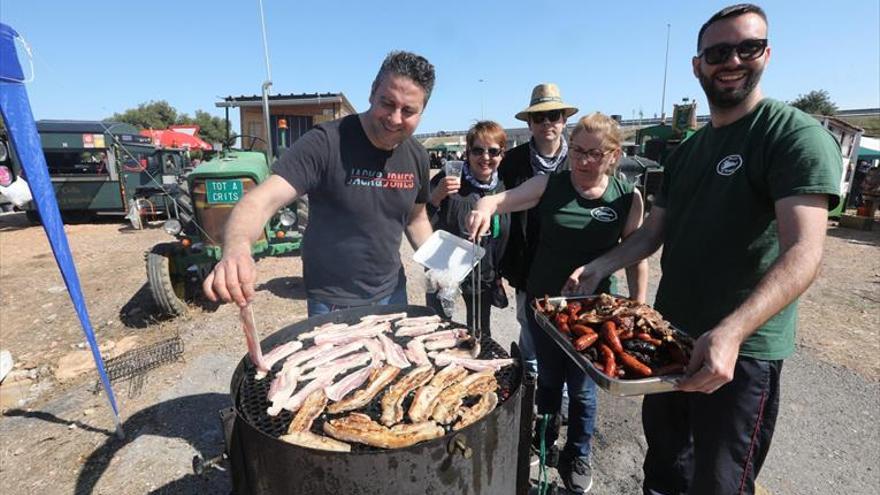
(291, 115)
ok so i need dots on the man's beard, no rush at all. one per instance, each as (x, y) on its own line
(729, 98)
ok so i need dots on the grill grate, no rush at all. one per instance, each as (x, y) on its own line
(252, 400)
(133, 366)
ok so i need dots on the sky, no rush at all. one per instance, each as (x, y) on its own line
(93, 58)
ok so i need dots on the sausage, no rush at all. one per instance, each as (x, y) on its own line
(609, 333)
(608, 359)
(560, 318)
(580, 330)
(585, 341)
(634, 365)
(626, 335)
(563, 327)
(574, 308)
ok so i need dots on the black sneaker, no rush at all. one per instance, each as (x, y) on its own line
(576, 474)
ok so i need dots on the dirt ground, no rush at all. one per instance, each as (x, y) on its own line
(839, 323)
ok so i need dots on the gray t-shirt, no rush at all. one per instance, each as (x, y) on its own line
(360, 199)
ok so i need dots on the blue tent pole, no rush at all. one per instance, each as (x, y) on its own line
(25, 140)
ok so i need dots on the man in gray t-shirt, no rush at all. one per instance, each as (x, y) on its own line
(367, 181)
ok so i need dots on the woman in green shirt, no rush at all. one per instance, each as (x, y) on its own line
(584, 213)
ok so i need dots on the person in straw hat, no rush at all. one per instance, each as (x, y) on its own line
(545, 153)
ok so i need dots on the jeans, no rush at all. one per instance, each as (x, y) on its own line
(556, 370)
(318, 308)
(526, 343)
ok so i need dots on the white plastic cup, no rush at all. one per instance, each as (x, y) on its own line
(453, 168)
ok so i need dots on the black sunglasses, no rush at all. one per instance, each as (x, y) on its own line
(539, 117)
(493, 152)
(745, 50)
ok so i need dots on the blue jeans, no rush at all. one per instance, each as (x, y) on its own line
(556, 370)
(526, 344)
(318, 308)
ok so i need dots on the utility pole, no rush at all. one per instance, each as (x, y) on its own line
(665, 69)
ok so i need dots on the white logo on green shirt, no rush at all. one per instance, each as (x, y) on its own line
(729, 164)
(604, 214)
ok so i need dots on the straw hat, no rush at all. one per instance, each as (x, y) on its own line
(546, 97)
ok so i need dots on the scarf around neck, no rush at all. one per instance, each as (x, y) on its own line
(468, 176)
(542, 165)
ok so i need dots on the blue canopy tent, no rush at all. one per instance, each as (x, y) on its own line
(24, 139)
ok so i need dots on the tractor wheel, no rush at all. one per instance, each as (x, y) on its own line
(302, 213)
(167, 286)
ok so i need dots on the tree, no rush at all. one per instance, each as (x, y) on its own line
(153, 115)
(211, 128)
(816, 102)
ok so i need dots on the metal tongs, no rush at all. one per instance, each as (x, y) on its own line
(476, 301)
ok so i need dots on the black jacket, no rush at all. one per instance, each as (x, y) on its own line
(515, 169)
(452, 217)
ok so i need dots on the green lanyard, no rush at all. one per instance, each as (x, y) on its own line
(496, 227)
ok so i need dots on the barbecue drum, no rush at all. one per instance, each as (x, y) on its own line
(487, 457)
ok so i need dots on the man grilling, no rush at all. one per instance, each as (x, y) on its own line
(742, 216)
(367, 180)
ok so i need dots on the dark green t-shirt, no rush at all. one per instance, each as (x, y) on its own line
(575, 231)
(719, 191)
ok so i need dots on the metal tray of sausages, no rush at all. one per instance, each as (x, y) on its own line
(614, 386)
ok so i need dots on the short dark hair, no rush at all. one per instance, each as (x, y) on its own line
(407, 64)
(487, 130)
(728, 12)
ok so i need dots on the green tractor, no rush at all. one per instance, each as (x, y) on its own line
(203, 201)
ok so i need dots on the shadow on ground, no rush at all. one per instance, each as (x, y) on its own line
(285, 287)
(192, 418)
(867, 237)
(141, 311)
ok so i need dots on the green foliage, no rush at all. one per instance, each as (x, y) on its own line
(211, 128)
(160, 114)
(816, 102)
(152, 115)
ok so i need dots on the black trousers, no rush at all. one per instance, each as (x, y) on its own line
(485, 308)
(712, 444)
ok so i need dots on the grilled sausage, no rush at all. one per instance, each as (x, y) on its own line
(608, 359)
(647, 338)
(579, 330)
(633, 365)
(609, 334)
(585, 341)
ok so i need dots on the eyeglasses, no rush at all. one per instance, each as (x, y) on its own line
(539, 117)
(493, 152)
(746, 50)
(591, 155)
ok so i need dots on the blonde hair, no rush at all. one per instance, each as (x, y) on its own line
(603, 126)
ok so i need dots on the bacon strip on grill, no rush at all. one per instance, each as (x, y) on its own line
(445, 342)
(415, 331)
(361, 428)
(313, 441)
(444, 358)
(379, 379)
(394, 354)
(312, 408)
(338, 366)
(277, 354)
(295, 402)
(334, 353)
(415, 321)
(382, 318)
(349, 382)
(450, 400)
(282, 388)
(470, 415)
(392, 401)
(415, 352)
(425, 398)
(326, 327)
(353, 333)
(376, 351)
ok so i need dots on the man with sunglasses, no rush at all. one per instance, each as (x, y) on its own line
(545, 153)
(741, 216)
